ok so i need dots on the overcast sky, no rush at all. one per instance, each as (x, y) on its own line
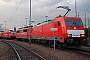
(14, 12)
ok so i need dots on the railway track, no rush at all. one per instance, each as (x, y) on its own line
(23, 53)
(82, 51)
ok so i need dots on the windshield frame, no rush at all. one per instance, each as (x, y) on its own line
(70, 22)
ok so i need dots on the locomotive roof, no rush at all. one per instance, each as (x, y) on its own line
(68, 17)
(72, 17)
(45, 22)
(23, 28)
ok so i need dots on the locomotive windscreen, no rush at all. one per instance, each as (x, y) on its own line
(73, 22)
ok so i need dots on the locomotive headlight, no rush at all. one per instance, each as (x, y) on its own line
(82, 35)
(69, 35)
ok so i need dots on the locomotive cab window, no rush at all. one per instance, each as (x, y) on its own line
(73, 22)
(17, 31)
(58, 23)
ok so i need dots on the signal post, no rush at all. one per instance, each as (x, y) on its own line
(54, 30)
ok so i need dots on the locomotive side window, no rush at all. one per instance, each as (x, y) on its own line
(25, 30)
(17, 31)
(20, 31)
(58, 23)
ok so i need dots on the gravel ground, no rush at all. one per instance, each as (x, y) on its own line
(3, 52)
(49, 54)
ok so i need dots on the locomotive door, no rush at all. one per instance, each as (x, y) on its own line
(59, 28)
(59, 31)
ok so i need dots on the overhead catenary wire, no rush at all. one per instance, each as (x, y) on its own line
(16, 2)
(68, 2)
(49, 8)
(17, 6)
(55, 8)
(54, 4)
(46, 14)
(14, 10)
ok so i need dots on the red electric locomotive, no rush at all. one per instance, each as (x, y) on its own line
(69, 31)
(8, 35)
(12, 34)
(5, 35)
(23, 33)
